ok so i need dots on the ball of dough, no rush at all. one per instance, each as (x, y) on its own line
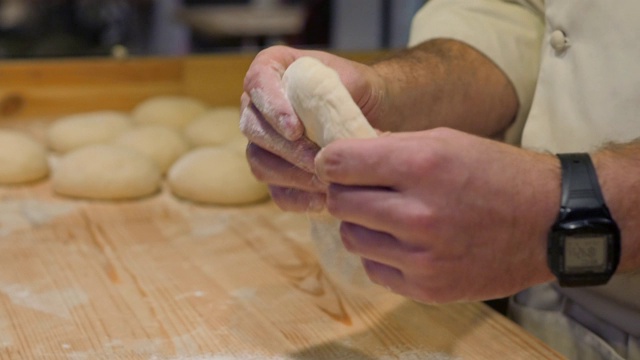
(174, 111)
(215, 175)
(75, 131)
(215, 127)
(106, 172)
(238, 144)
(162, 144)
(22, 159)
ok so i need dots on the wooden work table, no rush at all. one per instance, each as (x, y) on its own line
(160, 278)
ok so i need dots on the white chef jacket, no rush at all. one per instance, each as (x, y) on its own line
(575, 65)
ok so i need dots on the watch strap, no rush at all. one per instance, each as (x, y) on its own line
(580, 186)
(579, 281)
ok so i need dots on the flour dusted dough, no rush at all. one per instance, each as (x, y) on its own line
(162, 144)
(215, 175)
(105, 172)
(215, 127)
(22, 159)
(328, 113)
(78, 130)
(323, 104)
(174, 111)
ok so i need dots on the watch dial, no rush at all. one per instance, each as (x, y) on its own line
(585, 254)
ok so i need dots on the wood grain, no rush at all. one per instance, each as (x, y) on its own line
(160, 278)
(164, 279)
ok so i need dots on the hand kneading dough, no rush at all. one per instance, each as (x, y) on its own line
(162, 144)
(174, 111)
(75, 131)
(328, 113)
(215, 127)
(215, 175)
(105, 172)
(22, 159)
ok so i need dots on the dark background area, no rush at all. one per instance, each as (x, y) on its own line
(67, 28)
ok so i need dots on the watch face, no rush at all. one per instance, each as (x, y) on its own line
(585, 253)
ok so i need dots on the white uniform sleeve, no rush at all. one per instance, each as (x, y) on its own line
(508, 32)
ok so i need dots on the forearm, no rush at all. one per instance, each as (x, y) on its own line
(618, 169)
(444, 83)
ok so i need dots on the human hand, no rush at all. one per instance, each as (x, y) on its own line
(442, 216)
(278, 153)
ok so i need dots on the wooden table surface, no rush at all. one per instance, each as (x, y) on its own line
(160, 278)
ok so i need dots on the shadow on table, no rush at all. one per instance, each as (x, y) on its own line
(408, 335)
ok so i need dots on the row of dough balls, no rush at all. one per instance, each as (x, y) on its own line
(108, 155)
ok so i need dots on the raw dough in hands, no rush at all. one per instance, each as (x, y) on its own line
(106, 172)
(328, 113)
(78, 130)
(323, 104)
(22, 159)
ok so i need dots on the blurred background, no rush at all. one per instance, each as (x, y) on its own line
(73, 28)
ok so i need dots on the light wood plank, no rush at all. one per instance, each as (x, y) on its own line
(160, 278)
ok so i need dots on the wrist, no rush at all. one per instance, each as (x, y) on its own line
(545, 205)
(617, 169)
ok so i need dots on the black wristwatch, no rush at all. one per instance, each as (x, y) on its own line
(584, 243)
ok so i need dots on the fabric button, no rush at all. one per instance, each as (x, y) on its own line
(559, 41)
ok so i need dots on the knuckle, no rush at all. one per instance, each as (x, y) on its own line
(249, 123)
(420, 260)
(418, 219)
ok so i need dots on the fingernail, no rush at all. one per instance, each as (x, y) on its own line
(318, 164)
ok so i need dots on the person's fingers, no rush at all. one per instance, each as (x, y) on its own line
(295, 200)
(380, 209)
(376, 246)
(272, 169)
(301, 152)
(384, 275)
(263, 84)
(363, 162)
(396, 160)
